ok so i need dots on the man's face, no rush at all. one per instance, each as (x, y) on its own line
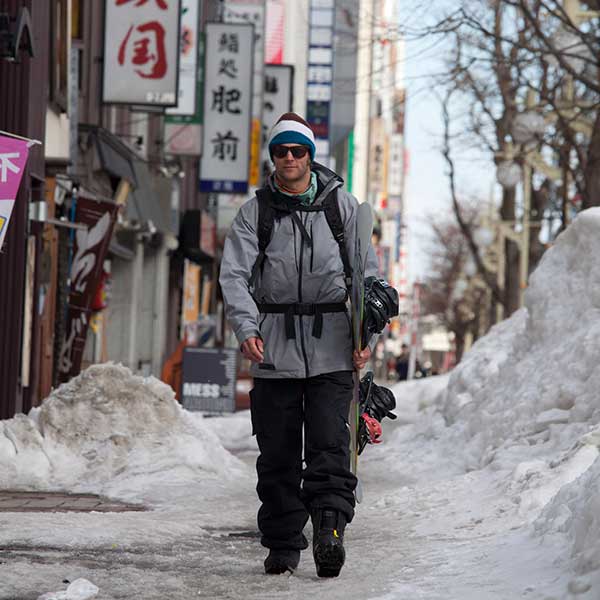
(289, 169)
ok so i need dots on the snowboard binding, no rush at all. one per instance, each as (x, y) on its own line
(376, 403)
(380, 305)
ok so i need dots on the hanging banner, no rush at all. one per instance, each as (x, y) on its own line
(141, 52)
(253, 12)
(277, 98)
(89, 252)
(227, 108)
(13, 158)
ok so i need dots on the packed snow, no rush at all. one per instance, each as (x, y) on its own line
(486, 487)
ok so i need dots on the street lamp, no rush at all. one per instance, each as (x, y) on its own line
(508, 174)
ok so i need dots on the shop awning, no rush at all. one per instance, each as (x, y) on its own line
(114, 156)
(144, 205)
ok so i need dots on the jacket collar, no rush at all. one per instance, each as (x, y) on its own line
(327, 180)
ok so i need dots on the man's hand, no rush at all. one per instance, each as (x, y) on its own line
(360, 358)
(253, 349)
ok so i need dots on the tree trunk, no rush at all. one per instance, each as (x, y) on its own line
(511, 253)
(591, 172)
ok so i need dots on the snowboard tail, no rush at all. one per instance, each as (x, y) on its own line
(364, 231)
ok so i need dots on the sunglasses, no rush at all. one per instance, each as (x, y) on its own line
(282, 151)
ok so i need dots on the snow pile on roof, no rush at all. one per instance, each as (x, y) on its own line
(109, 431)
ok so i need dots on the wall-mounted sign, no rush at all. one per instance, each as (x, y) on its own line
(13, 158)
(319, 74)
(141, 52)
(227, 108)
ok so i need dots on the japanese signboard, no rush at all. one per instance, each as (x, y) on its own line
(253, 12)
(13, 158)
(277, 99)
(91, 245)
(320, 74)
(188, 60)
(141, 52)
(208, 382)
(227, 108)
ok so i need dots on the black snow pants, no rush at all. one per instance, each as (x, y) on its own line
(280, 408)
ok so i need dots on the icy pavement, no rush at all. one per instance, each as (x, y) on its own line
(485, 488)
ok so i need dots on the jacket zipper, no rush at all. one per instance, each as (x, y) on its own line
(300, 300)
(312, 247)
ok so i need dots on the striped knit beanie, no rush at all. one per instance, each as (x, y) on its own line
(292, 129)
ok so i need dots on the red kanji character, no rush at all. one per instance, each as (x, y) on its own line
(162, 4)
(141, 50)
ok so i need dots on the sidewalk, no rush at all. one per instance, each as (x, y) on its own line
(13, 501)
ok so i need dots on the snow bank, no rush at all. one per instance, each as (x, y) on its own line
(108, 431)
(524, 400)
(534, 378)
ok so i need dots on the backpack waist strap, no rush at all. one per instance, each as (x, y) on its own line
(303, 308)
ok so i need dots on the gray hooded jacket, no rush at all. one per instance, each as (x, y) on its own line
(293, 271)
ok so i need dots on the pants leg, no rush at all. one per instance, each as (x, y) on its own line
(277, 415)
(328, 481)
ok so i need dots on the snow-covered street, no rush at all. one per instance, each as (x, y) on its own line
(485, 488)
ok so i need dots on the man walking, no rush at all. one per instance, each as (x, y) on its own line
(285, 276)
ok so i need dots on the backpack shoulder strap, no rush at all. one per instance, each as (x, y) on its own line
(266, 218)
(331, 208)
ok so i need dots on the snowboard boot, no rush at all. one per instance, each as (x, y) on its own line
(328, 541)
(279, 561)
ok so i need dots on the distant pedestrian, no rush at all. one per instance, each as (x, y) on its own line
(402, 363)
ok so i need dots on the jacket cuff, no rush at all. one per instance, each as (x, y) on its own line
(247, 332)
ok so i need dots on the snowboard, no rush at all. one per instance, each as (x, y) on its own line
(364, 231)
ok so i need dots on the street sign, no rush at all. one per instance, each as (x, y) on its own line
(208, 382)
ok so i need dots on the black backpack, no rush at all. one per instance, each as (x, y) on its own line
(271, 207)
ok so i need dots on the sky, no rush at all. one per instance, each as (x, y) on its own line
(484, 488)
(427, 190)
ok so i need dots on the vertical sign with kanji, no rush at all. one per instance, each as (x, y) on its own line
(13, 158)
(277, 99)
(252, 11)
(227, 108)
(141, 52)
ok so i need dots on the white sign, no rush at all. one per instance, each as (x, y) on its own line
(277, 100)
(188, 60)
(227, 108)
(141, 52)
